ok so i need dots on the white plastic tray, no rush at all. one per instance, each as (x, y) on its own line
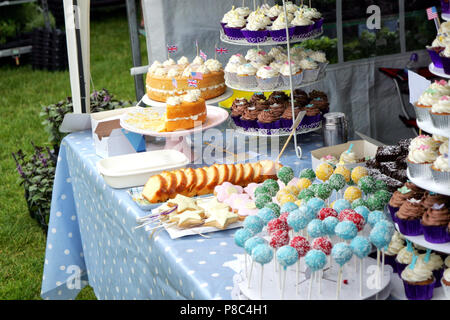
(135, 169)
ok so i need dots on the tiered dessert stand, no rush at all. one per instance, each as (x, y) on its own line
(291, 87)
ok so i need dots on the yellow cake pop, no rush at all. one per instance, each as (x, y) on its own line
(281, 193)
(287, 198)
(324, 171)
(293, 190)
(352, 193)
(344, 171)
(303, 183)
(358, 173)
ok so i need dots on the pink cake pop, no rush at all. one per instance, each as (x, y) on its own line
(279, 238)
(302, 246)
(225, 190)
(357, 219)
(323, 244)
(344, 213)
(277, 224)
(327, 212)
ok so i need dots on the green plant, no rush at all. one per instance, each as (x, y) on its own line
(36, 174)
(54, 114)
(7, 30)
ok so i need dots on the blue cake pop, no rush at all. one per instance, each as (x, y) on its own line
(346, 230)
(316, 204)
(364, 211)
(288, 207)
(252, 243)
(315, 228)
(262, 254)
(380, 236)
(287, 256)
(329, 224)
(297, 220)
(315, 259)
(386, 224)
(341, 204)
(266, 214)
(374, 217)
(309, 213)
(361, 246)
(241, 236)
(254, 224)
(341, 253)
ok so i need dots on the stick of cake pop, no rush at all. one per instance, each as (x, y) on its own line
(342, 253)
(262, 254)
(249, 245)
(302, 246)
(240, 237)
(380, 236)
(315, 260)
(286, 256)
(361, 248)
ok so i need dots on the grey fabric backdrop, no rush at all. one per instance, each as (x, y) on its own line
(357, 88)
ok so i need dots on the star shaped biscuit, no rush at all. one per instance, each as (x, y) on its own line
(184, 203)
(221, 218)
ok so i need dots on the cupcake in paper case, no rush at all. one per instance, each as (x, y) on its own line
(268, 121)
(244, 12)
(228, 16)
(312, 116)
(404, 257)
(434, 53)
(397, 243)
(303, 26)
(238, 59)
(398, 198)
(408, 217)
(238, 108)
(246, 75)
(445, 282)
(320, 58)
(234, 26)
(230, 73)
(423, 140)
(268, 78)
(433, 262)
(278, 29)
(434, 223)
(274, 12)
(445, 58)
(287, 117)
(249, 118)
(440, 113)
(423, 105)
(419, 161)
(440, 170)
(418, 281)
(297, 75)
(256, 36)
(310, 70)
(256, 29)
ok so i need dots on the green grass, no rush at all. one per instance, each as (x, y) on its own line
(22, 93)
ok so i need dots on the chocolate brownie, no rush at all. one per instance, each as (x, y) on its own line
(388, 153)
(400, 175)
(372, 163)
(404, 144)
(388, 168)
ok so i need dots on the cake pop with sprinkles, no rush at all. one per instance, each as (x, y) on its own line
(251, 243)
(306, 194)
(374, 217)
(375, 202)
(316, 204)
(293, 190)
(284, 216)
(341, 253)
(346, 230)
(303, 183)
(277, 224)
(383, 195)
(297, 220)
(386, 224)
(253, 223)
(285, 174)
(366, 184)
(342, 170)
(323, 244)
(364, 211)
(380, 185)
(288, 207)
(287, 198)
(380, 236)
(274, 207)
(360, 246)
(359, 202)
(315, 259)
(357, 219)
(344, 213)
(315, 228)
(262, 254)
(241, 236)
(327, 212)
(341, 204)
(266, 214)
(308, 212)
(324, 191)
(279, 238)
(314, 187)
(352, 193)
(261, 190)
(337, 181)
(330, 224)
(358, 172)
(262, 200)
(301, 245)
(287, 256)
(308, 173)
(324, 171)
(272, 186)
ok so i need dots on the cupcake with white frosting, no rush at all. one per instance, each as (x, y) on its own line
(423, 105)
(423, 139)
(443, 148)
(293, 69)
(237, 58)
(213, 65)
(231, 72)
(274, 12)
(278, 28)
(311, 70)
(440, 170)
(268, 78)
(234, 26)
(256, 29)
(445, 281)
(320, 58)
(303, 25)
(419, 161)
(246, 75)
(418, 281)
(404, 257)
(445, 58)
(397, 243)
(435, 263)
(440, 113)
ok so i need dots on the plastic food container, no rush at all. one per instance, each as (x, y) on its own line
(134, 170)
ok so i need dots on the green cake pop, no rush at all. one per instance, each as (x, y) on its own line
(324, 191)
(262, 190)
(367, 184)
(337, 181)
(314, 187)
(308, 174)
(359, 202)
(305, 193)
(285, 174)
(380, 185)
(272, 185)
(375, 203)
(275, 207)
(262, 200)
(384, 195)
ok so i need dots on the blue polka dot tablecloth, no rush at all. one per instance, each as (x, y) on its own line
(91, 238)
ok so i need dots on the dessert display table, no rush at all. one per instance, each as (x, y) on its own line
(91, 236)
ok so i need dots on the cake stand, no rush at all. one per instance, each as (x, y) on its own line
(446, 16)
(153, 103)
(291, 86)
(438, 71)
(177, 140)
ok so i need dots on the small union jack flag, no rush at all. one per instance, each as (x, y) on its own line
(432, 13)
(221, 50)
(197, 75)
(192, 83)
(203, 55)
(172, 48)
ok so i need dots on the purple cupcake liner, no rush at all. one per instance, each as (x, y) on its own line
(419, 292)
(308, 120)
(392, 211)
(318, 24)
(410, 227)
(435, 57)
(256, 36)
(248, 124)
(445, 6)
(435, 234)
(269, 126)
(223, 24)
(286, 123)
(237, 120)
(445, 64)
(280, 35)
(438, 274)
(233, 33)
(399, 267)
(390, 261)
(303, 31)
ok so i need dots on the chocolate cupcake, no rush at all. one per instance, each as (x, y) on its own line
(249, 118)
(321, 103)
(311, 110)
(318, 94)
(237, 109)
(277, 109)
(287, 116)
(398, 198)
(257, 96)
(431, 198)
(408, 217)
(278, 97)
(267, 120)
(434, 223)
(301, 101)
(416, 189)
(300, 93)
(261, 105)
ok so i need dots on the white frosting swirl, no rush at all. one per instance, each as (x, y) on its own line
(446, 52)
(187, 71)
(404, 256)
(243, 11)
(213, 65)
(192, 95)
(251, 54)
(437, 43)
(232, 67)
(312, 13)
(445, 27)
(228, 15)
(276, 65)
(396, 244)
(418, 274)
(318, 56)
(237, 58)
(174, 72)
(442, 106)
(274, 11)
(349, 157)
(446, 275)
(443, 148)
(236, 21)
(257, 22)
(441, 164)
(246, 69)
(173, 101)
(429, 97)
(267, 72)
(447, 263)
(301, 20)
(198, 60)
(169, 62)
(423, 140)
(183, 61)
(275, 51)
(285, 70)
(308, 64)
(280, 22)
(160, 72)
(441, 87)
(435, 262)
(155, 65)
(203, 69)
(423, 154)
